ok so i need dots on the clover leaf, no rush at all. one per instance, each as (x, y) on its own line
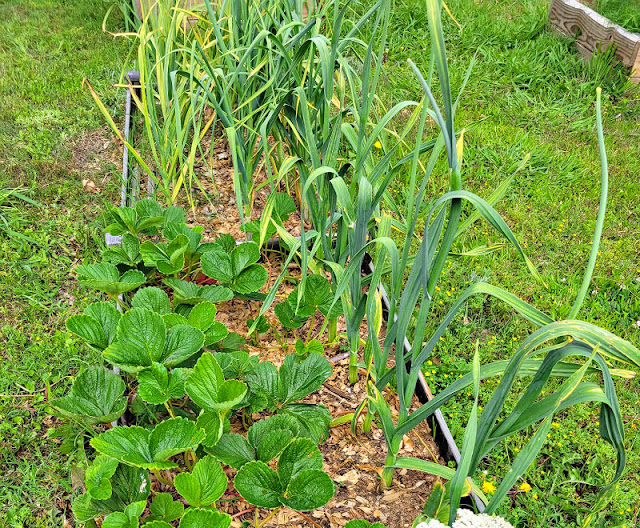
(361, 523)
(143, 339)
(283, 206)
(127, 254)
(313, 420)
(298, 483)
(288, 317)
(128, 484)
(197, 518)
(146, 216)
(312, 347)
(202, 316)
(300, 305)
(237, 364)
(294, 380)
(149, 449)
(236, 269)
(204, 485)
(153, 299)
(97, 325)
(265, 441)
(213, 426)
(96, 397)
(106, 278)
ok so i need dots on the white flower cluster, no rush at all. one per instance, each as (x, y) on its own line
(468, 519)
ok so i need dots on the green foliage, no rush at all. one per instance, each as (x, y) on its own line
(164, 508)
(146, 217)
(96, 396)
(236, 269)
(167, 258)
(204, 485)
(105, 277)
(97, 477)
(143, 338)
(621, 12)
(127, 254)
(312, 347)
(149, 449)
(295, 380)
(303, 303)
(207, 387)
(127, 519)
(265, 440)
(581, 340)
(128, 485)
(281, 206)
(191, 294)
(361, 523)
(157, 385)
(299, 481)
(530, 93)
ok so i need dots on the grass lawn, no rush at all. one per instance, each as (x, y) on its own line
(528, 93)
(52, 138)
(625, 13)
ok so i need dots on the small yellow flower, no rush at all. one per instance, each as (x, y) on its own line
(525, 486)
(555, 424)
(488, 487)
(429, 362)
(535, 496)
(378, 145)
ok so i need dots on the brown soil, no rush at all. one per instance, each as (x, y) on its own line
(213, 202)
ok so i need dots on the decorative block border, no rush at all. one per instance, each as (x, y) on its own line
(592, 30)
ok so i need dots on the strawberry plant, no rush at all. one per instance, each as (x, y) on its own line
(96, 397)
(298, 482)
(282, 389)
(235, 266)
(182, 395)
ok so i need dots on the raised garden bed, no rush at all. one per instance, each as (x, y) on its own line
(353, 461)
(191, 296)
